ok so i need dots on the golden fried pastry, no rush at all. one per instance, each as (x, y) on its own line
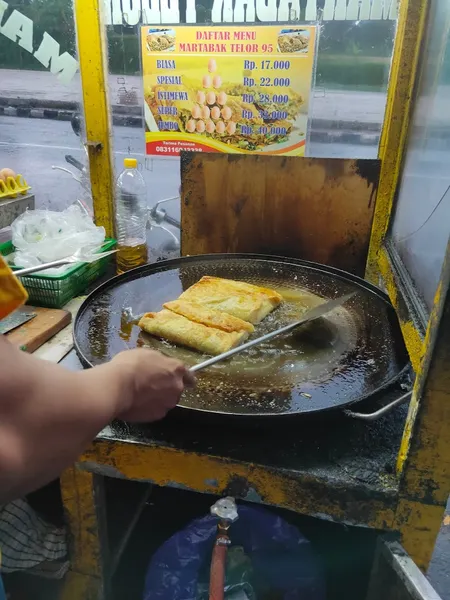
(242, 300)
(180, 330)
(207, 316)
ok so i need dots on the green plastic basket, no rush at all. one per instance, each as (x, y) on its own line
(54, 291)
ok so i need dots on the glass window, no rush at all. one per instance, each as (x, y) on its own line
(353, 64)
(39, 97)
(40, 91)
(348, 99)
(421, 224)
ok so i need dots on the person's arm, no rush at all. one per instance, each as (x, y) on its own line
(48, 414)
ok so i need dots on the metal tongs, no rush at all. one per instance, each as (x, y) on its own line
(78, 257)
(311, 315)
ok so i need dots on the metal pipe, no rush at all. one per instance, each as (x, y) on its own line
(217, 575)
(172, 221)
(226, 511)
(381, 412)
(44, 267)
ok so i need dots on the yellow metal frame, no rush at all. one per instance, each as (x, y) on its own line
(166, 466)
(413, 339)
(408, 42)
(422, 461)
(416, 507)
(91, 50)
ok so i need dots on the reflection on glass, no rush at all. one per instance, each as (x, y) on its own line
(421, 224)
(353, 65)
(35, 127)
(348, 100)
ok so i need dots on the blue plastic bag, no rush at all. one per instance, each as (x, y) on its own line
(277, 550)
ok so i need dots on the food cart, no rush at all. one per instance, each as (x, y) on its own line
(382, 466)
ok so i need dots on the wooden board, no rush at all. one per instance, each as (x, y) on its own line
(310, 208)
(36, 332)
(55, 349)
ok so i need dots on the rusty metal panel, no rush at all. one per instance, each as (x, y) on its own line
(307, 494)
(310, 208)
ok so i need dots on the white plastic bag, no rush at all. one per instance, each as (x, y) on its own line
(41, 236)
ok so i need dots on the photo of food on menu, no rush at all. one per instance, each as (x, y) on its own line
(227, 89)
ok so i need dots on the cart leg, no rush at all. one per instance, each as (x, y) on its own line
(83, 499)
(419, 524)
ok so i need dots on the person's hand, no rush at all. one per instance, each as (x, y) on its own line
(151, 383)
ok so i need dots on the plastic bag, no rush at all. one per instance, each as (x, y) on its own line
(282, 559)
(41, 236)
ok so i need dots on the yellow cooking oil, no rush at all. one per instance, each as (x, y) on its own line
(129, 257)
(131, 217)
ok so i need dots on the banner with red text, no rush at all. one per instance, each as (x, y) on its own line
(227, 89)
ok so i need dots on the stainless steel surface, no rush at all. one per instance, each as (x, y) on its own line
(379, 413)
(77, 257)
(11, 208)
(421, 223)
(315, 313)
(395, 576)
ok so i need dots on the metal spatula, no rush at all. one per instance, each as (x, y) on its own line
(75, 258)
(311, 315)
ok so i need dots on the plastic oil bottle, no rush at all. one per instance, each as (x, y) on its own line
(131, 217)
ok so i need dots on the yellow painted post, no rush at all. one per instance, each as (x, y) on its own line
(93, 69)
(84, 507)
(412, 337)
(408, 43)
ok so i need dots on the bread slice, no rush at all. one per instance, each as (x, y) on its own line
(180, 330)
(242, 300)
(208, 316)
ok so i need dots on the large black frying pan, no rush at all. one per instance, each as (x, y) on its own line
(343, 358)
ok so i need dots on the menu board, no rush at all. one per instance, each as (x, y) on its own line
(227, 89)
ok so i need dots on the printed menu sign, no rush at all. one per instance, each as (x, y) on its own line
(227, 89)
